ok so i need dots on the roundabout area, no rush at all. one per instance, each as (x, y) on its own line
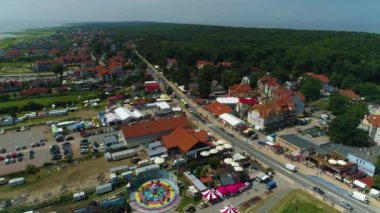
(157, 195)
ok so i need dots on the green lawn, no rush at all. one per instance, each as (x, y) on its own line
(299, 201)
(51, 99)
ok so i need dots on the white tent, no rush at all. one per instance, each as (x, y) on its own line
(238, 157)
(213, 151)
(238, 169)
(159, 161)
(231, 119)
(205, 153)
(219, 148)
(235, 164)
(220, 142)
(228, 100)
(359, 184)
(227, 146)
(228, 160)
(210, 195)
(229, 209)
(124, 113)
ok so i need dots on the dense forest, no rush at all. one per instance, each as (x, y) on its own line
(350, 59)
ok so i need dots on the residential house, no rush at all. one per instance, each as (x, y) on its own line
(149, 131)
(371, 124)
(46, 65)
(202, 63)
(294, 100)
(186, 142)
(85, 72)
(217, 108)
(267, 85)
(224, 64)
(115, 64)
(152, 86)
(349, 94)
(245, 104)
(171, 62)
(326, 88)
(240, 90)
(272, 114)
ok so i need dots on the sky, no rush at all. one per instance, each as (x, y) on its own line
(357, 15)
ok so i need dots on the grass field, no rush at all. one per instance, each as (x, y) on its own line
(51, 99)
(299, 201)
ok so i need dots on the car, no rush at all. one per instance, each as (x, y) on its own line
(13, 160)
(7, 161)
(8, 156)
(22, 128)
(96, 145)
(2, 131)
(18, 148)
(318, 190)
(56, 152)
(59, 139)
(42, 143)
(33, 145)
(20, 154)
(27, 127)
(101, 146)
(23, 147)
(69, 138)
(255, 136)
(2, 158)
(18, 130)
(230, 134)
(14, 155)
(31, 152)
(20, 158)
(345, 205)
(57, 157)
(3, 150)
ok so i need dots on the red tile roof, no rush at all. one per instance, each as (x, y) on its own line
(224, 64)
(182, 139)
(239, 89)
(218, 108)
(269, 81)
(154, 127)
(274, 106)
(322, 78)
(349, 94)
(152, 86)
(202, 63)
(374, 120)
(248, 101)
(367, 180)
(206, 179)
(171, 61)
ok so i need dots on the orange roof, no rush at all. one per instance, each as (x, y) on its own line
(154, 127)
(218, 108)
(181, 138)
(274, 106)
(206, 179)
(322, 78)
(269, 81)
(349, 94)
(374, 120)
(240, 88)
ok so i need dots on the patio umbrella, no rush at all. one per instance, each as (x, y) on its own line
(205, 153)
(210, 195)
(235, 164)
(227, 146)
(229, 209)
(215, 143)
(238, 169)
(159, 161)
(213, 151)
(220, 148)
(228, 160)
(220, 142)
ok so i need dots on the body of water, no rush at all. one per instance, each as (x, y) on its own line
(19, 26)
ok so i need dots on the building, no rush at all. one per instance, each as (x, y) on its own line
(230, 101)
(152, 86)
(295, 143)
(349, 94)
(365, 158)
(217, 108)
(240, 90)
(186, 141)
(149, 131)
(202, 63)
(156, 149)
(371, 124)
(224, 64)
(270, 114)
(233, 121)
(171, 62)
(267, 85)
(245, 104)
(294, 100)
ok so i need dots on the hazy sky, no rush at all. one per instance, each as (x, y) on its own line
(339, 14)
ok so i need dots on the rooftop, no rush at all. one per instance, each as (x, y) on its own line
(302, 143)
(349, 94)
(218, 108)
(183, 139)
(154, 127)
(322, 78)
(369, 154)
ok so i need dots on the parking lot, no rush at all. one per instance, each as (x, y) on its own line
(11, 139)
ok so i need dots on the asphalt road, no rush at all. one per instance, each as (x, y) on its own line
(298, 177)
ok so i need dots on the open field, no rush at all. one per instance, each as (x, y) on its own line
(34, 32)
(74, 177)
(299, 201)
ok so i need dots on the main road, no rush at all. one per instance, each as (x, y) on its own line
(214, 126)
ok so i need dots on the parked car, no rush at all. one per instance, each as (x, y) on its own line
(23, 147)
(2, 131)
(3, 150)
(27, 127)
(345, 205)
(20, 158)
(22, 128)
(20, 154)
(57, 157)
(7, 161)
(33, 145)
(2, 158)
(13, 160)
(18, 148)
(59, 139)
(69, 138)
(96, 145)
(318, 190)
(42, 143)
